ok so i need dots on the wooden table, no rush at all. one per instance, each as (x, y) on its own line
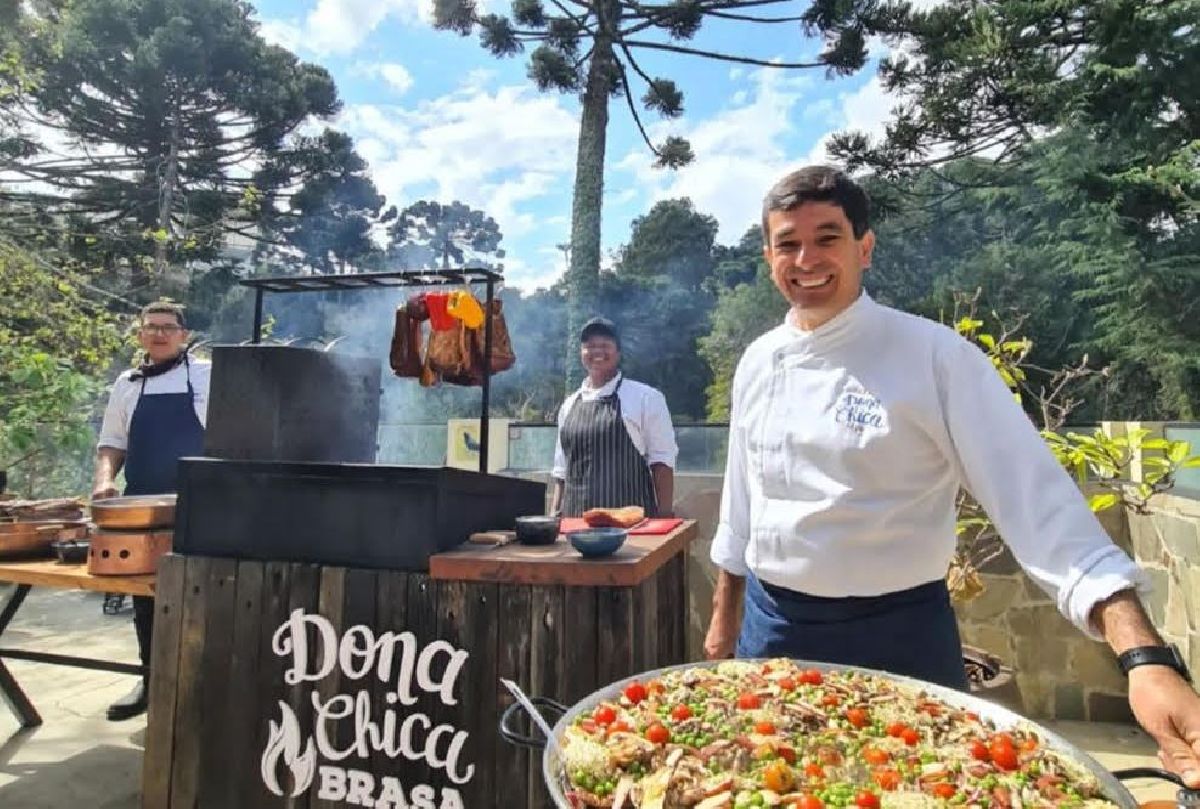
(44, 573)
(558, 625)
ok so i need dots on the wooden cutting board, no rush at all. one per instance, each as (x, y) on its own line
(653, 526)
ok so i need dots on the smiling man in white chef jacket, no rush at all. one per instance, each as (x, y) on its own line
(852, 428)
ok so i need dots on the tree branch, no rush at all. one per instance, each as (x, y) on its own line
(721, 57)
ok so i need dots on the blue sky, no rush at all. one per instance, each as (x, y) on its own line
(438, 117)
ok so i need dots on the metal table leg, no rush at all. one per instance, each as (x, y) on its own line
(10, 689)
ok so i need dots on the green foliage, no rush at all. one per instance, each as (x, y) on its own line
(431, 235)
(55, 344)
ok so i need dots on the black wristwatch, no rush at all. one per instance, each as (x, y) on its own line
(1154, 656)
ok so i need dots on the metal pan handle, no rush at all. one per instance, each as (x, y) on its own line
(1149, 772)
(508, 719)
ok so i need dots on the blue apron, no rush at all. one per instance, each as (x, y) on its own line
(164, 429)
(911, 632)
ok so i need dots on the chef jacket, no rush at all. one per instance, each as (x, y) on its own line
(848, 445)
(644, 411)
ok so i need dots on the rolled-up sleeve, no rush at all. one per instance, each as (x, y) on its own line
(733, 527)
(658, 430)
(1036, 506)
(114, 429)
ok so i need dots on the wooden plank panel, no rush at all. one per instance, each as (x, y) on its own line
(579, 651)
(185, 763)
(359, 610)
(269, 686)
(304, 594)
(217, 747)
(164, 662)
(331, 602)
(547, 674)
(424, 596)
(467, 620)
(513, 649)
(646, 627)
(242, 711)
(615, 619)
(391, 615)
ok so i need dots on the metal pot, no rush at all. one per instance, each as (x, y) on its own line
(555, 777)
(134, 513)
(537, 530)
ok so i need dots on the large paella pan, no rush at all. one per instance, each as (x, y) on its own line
(749, 733)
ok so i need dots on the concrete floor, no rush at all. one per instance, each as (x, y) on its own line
(79, 759)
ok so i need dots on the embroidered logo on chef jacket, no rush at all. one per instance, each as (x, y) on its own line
(859, 411)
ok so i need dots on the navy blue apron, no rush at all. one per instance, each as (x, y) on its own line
(911, 632)
(164, 429)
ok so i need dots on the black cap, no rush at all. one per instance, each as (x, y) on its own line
(602, 327)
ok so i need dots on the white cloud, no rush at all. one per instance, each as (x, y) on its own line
(498, 150)
(394, 74)
(340, 26)
(865, 110)
(739, 153)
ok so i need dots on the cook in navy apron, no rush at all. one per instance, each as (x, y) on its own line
(604, 468)
(911, 632)
(164, 428)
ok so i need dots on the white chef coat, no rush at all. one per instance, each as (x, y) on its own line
(118, 415)
(848, 445)
(644, 411)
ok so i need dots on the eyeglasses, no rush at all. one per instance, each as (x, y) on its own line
(154, 328)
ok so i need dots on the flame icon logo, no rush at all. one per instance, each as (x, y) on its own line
(284, 740)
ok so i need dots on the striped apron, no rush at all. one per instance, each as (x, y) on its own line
(604, 468)
(911, 632)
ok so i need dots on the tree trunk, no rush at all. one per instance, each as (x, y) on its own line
(166, 198)
(583, 273)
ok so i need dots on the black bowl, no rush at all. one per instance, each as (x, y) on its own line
(537, 530)
(71, 551)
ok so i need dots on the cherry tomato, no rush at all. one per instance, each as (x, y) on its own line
(1004, 757)
(764, 728)
(811, 677)
(874, 755)
(858, 717)
(1002, 740)
(681, 712)
(895, 729)
(831, 700)
(979, 751)
(636, 692)
(944, 790)
(787, 754)
(866, 800)
(787, 684)
(748, 702)
(910, 736)
(778, 777)
(658, 734)
(887, 779)
(808, 802)
(604, 715)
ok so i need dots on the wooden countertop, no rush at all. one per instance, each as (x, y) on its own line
(638, 559)
(49, 573)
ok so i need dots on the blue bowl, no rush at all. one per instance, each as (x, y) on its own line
(597, 542)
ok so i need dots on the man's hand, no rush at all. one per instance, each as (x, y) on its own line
(1162, 701)
(1167, 707)
(723, 627)
(722, 636)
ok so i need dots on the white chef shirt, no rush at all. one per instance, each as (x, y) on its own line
(848, 445)
(118, 415)
(644, 411)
